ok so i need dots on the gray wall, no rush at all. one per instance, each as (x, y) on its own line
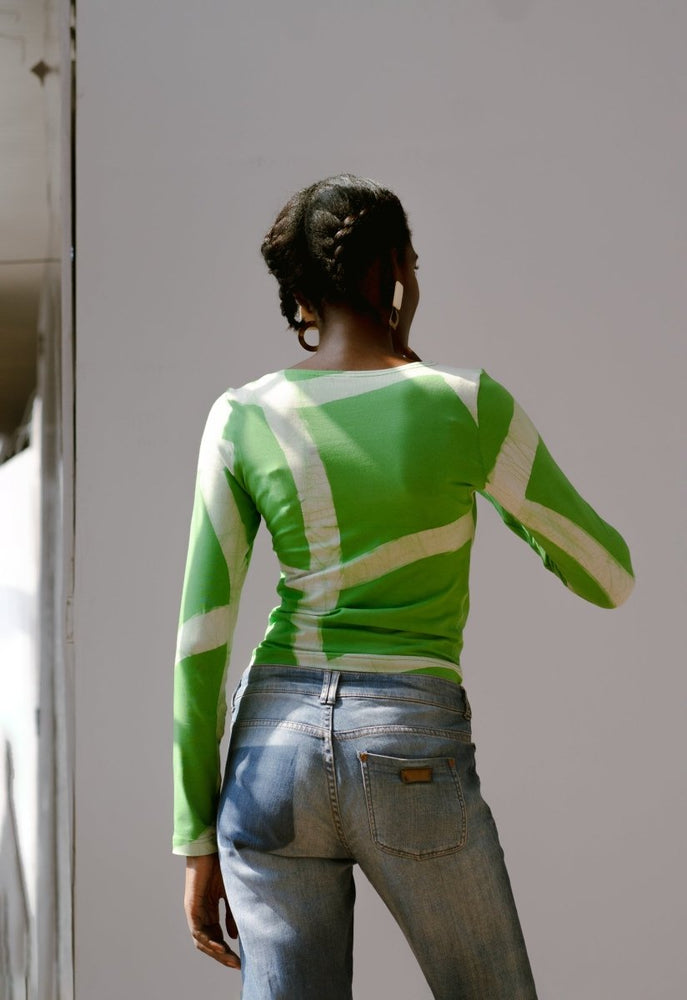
(539, 148)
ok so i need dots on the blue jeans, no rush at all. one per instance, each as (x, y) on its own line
(326, 770)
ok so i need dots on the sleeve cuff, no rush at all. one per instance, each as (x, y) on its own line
(205, 844)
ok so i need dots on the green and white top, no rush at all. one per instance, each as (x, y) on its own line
(366, 481)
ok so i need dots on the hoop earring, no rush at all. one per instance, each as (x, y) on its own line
(396, 305)
(303, 342)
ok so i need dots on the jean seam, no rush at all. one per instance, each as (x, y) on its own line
(450, 734)
(330, 773)
(266, 687)
(299, 727)
(392, 699)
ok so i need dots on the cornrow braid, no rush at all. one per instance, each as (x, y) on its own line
(343, 237)
(326, 238)
(284, 250)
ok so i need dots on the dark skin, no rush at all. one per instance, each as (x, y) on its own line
(349, 340)
(202, 894)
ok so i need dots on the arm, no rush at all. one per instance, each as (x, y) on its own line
(223, 528)
(538, 503)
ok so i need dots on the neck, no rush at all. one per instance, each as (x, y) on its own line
(350, 340)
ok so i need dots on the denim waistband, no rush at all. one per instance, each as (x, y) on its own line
(328, 685)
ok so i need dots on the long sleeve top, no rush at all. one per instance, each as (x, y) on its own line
(367, 482)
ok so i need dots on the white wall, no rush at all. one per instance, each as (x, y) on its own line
(539, 148)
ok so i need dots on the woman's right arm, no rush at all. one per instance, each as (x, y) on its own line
(203, 891)
(536, 501)
(223, 527)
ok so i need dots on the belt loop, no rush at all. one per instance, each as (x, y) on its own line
(334, 686)
(330, 684)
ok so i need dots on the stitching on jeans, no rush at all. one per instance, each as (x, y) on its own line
(388, 699)
(261, 687)
(450, 734)
(301, 727)
(391, 698)
(330, 774)
(414, 855)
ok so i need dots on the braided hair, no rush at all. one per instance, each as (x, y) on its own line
(327, 236)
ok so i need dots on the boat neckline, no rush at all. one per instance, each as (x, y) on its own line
(356, 371)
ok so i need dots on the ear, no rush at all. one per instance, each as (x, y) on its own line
(396, 265)
(307, 311)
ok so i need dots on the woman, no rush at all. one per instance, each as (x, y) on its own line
(351, 739)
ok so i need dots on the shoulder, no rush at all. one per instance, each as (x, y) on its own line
(466, 374)
(477, 377)
(254, 391)
(234, 397)
(464, 382)
(231, 409)
(487, 398)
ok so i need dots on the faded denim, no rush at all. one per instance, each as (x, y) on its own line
(326, 770)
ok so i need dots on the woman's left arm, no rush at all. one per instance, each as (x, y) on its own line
(536, 501)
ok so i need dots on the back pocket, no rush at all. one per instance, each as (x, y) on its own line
(415, 805)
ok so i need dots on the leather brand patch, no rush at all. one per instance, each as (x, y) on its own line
(411, 775)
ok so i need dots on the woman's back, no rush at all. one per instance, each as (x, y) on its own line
(366, 481)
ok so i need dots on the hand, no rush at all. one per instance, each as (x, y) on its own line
(203, 890)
